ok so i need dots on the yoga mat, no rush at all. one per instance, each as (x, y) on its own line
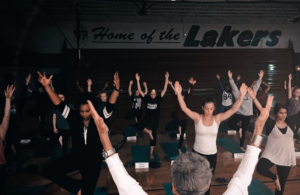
(99, 191)
(230, 145)
(168, 188)
(142, 154)
(131, 131)
(171, 149)
(258, 188)
(37, 190)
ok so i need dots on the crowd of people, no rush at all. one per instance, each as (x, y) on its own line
(192, 172)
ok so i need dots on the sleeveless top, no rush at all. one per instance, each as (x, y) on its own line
(226, 99)
(206, 138)
(280, 148)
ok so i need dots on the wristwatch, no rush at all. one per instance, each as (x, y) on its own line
(106, 154)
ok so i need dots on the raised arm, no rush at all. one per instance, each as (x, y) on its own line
(234, 88)
(89, 84)
(45, 82)
(243, 176)
(105, 86)
(166, 84)
(193, 115)
(54, 123)
(258, 81)
(137, 76)
(125, 183)
(129, 87)
(5, 121)
(267, 85)
(115, 94)
(252, 94)
(146, 88)
(23, 95)
(220, 83)
(225, 115)
(171, 89)
(191, 89)
(238, 78)
(80, 88)
(290, 87)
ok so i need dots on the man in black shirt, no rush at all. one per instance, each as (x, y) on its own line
(86, 155)
(152, 111)
(136, 104)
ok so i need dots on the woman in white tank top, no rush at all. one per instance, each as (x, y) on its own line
(279, 149)
(207, 124)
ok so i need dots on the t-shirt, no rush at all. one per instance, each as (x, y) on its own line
(226, 98)
(261, 96)
(295, 104)
(136, 102)
(2, 157)
(152, 105)
(61, 122)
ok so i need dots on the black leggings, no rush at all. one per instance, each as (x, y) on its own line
(134, 114)
(232, 123)
(263, 168)
(89, 169)
(65, 133)
(153, 122)
(212, 159)
(174, 125)
(2, 177)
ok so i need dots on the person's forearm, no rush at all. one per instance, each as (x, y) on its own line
(53, 96)
(256, 85)
(139, 88)
(89, 88)
(113, 97)
(221, 86)
(290, 89)
(182, 104)
(165, 87)
(5, 120)
(129, 90)
(104, 138)
(80, 88)
(104, 88)
(257, 104)
(54, 121)
(234, 88)
(146, 89)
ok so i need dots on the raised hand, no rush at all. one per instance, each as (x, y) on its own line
(178, 88)
(28, 79)
(116, 80)
(89, 82)
(192, 81)
(251, 93)
(238, 77)
(137, 76)
(170, 82)
(77, 82)
(218, 76)
(290, 76)
(243, 89)
(167, 75)
(44, 80)
(106, 85)
(145, 84)
(101, 126)
(229, 74)
(9, 91)
(261, 74)
(131, 82)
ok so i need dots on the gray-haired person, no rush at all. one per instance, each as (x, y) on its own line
(190, 172)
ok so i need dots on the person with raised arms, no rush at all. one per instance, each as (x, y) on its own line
(86, 155)
(152, 115)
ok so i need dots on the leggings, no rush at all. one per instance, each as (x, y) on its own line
(174, 125)
(263, 168)
(232, 123)
(153, 122)
(2, 177)
(89, 169)
(134, 114)
(65, 133)
(212, 159)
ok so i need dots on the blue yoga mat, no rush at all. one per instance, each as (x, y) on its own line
(258, 188)
(142, 154)
(171, 149)
(131, 131)
(99, 191)
(230, 145)
(168, 188)
(37, 190)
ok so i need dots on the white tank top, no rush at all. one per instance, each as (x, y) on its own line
(226, 99)
(206, 138)
(280, 148)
